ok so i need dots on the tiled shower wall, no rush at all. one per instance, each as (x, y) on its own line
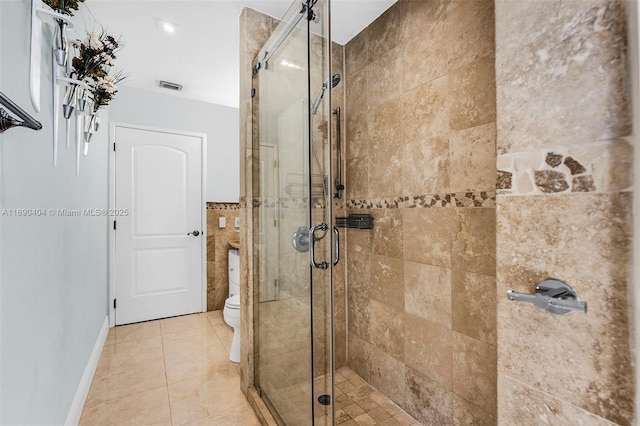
(564, 210)
(420, 113)
(217, 251)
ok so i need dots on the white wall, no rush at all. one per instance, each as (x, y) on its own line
(53, 270)
(220, 123)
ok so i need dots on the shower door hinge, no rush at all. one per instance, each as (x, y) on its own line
(253, 92)
(311, 15)
(254, 70)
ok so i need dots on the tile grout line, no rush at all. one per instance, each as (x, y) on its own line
(166, 378)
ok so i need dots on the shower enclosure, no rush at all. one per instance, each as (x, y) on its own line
(294, 238)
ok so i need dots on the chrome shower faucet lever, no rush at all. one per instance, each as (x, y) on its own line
(554, 296)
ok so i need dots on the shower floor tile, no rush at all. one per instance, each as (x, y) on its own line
(358, 403)
(174, 371)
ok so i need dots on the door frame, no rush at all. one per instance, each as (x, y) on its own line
(111, 240)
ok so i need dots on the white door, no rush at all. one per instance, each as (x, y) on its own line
(158, 256)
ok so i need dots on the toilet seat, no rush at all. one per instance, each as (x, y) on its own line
(233, 302)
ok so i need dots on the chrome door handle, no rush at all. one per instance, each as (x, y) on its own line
(312, 244)
(194, 233)
(336, 258)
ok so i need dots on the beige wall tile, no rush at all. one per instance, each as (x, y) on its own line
(474, 372)
(544, 237)
(556, 93)
(357, 115)
(387, 375)
(425, 166)
(474, 243)
(424, 46)
(388, 233)
(387, 281)
(359, 356)
(356, 54)
(428, 349)
(385, 156)
(474, 305)
(470, 31)
(522, 404)
(359, 314)
(465, 413)
(387, 329)
(473, 158)
(427, 235)
(473, 94)
(384, 77)
(385, 32)
(426, 400)
(357, 178)
(358, 268)
(426, 111)
(428, 292)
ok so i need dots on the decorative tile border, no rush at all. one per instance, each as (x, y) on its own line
(486, 199)
(595, 167)
(222, 206)
(456, 199)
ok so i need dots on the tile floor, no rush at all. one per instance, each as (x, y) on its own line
(173, 371)
(176, 371)
(358, 403)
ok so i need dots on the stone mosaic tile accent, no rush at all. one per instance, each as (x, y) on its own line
(222, 206)
(456, 199)
(597, 167)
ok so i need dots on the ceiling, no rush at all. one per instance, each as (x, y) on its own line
(203, 53)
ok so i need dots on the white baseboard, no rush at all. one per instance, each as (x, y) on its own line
(73, 417)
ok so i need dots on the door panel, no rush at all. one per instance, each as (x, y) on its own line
(293, 334)
(158, 266)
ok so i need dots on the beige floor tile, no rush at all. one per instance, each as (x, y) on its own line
(183, 323)
(215, 317)
(127, 379)
(204, 362)
(141, 330)
(121, 357)
(111, 337)
(365, 419)
(190, 340)
(242, 415)
(225, 333)
(202, 397)
(149, 408)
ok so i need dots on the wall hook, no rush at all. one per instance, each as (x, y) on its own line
(554, 296)
(7, 122)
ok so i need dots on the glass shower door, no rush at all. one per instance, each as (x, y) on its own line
(292, 227)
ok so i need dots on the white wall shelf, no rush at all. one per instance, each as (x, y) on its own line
(40, 14)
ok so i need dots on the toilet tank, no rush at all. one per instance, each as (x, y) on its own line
(234, 272)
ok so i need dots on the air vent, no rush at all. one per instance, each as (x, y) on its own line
(172, 86)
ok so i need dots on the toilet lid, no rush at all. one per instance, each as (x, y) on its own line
(233, 302)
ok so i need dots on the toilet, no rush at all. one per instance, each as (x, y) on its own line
(231, 312)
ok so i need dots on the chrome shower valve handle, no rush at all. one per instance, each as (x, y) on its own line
(554, 296)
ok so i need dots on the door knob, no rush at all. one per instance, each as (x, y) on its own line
(194, 233)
